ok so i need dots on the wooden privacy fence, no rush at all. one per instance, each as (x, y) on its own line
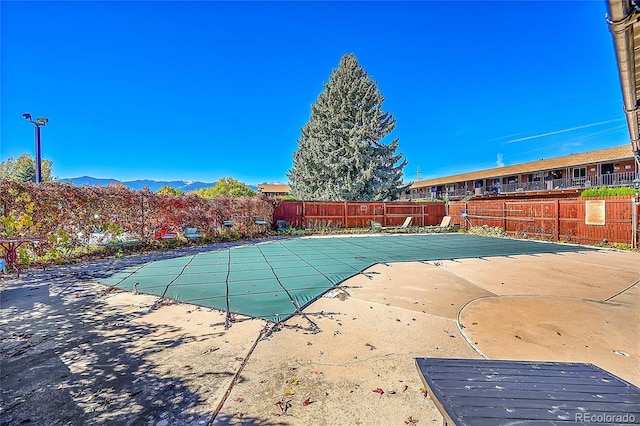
(352, 214)
(577, 220)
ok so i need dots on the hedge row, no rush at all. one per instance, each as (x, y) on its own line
(67, 215)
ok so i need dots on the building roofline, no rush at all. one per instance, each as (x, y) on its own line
(591, 157)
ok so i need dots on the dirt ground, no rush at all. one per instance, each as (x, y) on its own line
(73, 351)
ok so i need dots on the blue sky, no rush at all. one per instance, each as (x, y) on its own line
(203, 90)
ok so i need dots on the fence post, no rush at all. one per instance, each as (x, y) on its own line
(634, 222)
(422, 205)
(344, 215)
(384, 214)
(504, 216)
(303, 218)
(556, 235)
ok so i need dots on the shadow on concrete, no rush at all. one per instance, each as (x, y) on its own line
(249, 421)
(66, 358)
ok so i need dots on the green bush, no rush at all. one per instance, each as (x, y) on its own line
(605, 191)
(487, 231)
(430, 200)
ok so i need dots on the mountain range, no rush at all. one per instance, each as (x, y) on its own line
(154, 185)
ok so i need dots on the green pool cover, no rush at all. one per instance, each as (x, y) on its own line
(274, 280)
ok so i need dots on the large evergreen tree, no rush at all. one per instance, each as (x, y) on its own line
(340, 153)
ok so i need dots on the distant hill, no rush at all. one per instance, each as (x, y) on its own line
(183, 185)
(153, 185)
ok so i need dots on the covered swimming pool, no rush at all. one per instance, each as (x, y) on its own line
(275, 280)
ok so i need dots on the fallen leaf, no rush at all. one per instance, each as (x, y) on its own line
(424, 391)
(306, 401)
(411, 421)
(289, 393)
(239, 399)
(371, 347)
(404, 388)
(284, 405)
(378, 390)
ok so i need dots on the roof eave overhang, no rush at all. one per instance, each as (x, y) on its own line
(624, 22)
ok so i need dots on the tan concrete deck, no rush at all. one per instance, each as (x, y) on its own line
(91, 354)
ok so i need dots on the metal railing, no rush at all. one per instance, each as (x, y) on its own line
(610, 180)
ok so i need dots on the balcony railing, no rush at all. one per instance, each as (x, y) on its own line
(610, 180)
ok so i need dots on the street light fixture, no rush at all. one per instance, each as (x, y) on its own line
(636, 182)
(39, 122)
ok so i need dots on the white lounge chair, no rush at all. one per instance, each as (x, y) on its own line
(377, 226)
(445, 223)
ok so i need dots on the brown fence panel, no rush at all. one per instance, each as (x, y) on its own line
(360, 215)
(320, 214)
(455, 210)
(532, 218)
(604, 219)
(396, 213)
(486, 212)
(289, 211)
(351, 214)
(562, 219)
(433, 213)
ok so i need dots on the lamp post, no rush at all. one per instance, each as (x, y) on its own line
(636, 182)
(39, 122)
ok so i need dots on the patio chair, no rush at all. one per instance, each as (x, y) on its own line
(164, 235)
(377, 226)
(259, 220)
(406, 223)
(444, 224)
(192, 233)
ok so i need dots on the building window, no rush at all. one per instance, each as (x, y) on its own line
(607, 168)
(580, 172)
